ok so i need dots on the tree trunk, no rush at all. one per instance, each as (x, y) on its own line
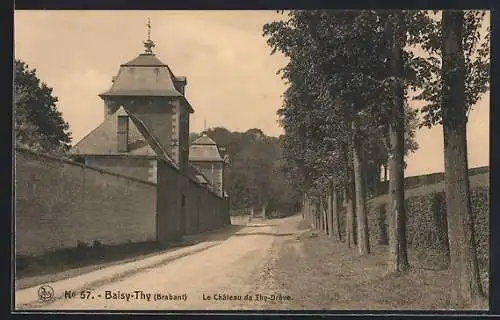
(318, 205)
(321, 219)
(315, 206)
(325, 217)
(377, 182)
(398, 253)
(361, 217)
(329, 210)
(348, 216)
(313, 214)
(304, 207)
(349, 221)
(310, 212)
(333, 212)
(350, 201)
(464, 269)
(306, 214)
(318, 216)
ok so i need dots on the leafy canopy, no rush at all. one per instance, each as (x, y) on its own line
(38, 123)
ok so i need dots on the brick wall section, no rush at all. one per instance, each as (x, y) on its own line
(203, 210)
(140, 168)
(59, 203)
(168, 203)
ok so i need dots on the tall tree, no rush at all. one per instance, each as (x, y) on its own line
(38, 123)
(458, 64)
(333, 212)
(464, 264)
(363, 240)
(398, 254)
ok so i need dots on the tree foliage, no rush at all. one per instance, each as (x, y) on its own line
(257, 173)
(337, 71)
(38, 123)
(477, 64)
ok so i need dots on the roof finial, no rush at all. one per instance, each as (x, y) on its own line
(204, 132)
(149, 44)
(149, 29)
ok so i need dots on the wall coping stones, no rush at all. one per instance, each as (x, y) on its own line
(84, 166)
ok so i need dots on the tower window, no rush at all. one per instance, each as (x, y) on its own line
(122, 133)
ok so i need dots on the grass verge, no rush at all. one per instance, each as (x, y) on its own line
(323, 274)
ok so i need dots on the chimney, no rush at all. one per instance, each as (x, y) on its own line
(122, 133)
(181, 83)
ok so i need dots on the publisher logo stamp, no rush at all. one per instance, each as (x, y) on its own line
(45, 293)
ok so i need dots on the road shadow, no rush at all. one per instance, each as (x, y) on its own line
(261, 225)
(214, 235)
(71, 262)
(266, 234)
(67, 263)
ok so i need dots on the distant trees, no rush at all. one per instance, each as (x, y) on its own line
(256, 176)
(38, 123)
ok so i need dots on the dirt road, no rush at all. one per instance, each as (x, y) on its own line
(273, 264)
(231, 275)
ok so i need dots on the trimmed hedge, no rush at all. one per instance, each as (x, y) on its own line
(427, 225)
(480, 201)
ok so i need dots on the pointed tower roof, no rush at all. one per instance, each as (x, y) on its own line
(204, 149)
(146, 76)
(204, 139)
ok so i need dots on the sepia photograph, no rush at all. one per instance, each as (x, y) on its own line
(251, 160)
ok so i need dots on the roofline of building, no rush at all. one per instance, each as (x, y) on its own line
(127, 155)
(114, 95)
(194, 143)
(203, 160)
(192, 166)
(142, 65)
(109, 93)
(151, 139)
(190, 108)
(193, 179)
(66, 159)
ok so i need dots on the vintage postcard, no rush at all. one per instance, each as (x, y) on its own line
(251, 160)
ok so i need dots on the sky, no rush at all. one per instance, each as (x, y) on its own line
(232, 80)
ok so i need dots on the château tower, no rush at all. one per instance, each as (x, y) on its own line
(148, 90)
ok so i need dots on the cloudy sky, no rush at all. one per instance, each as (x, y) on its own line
(231, 75)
